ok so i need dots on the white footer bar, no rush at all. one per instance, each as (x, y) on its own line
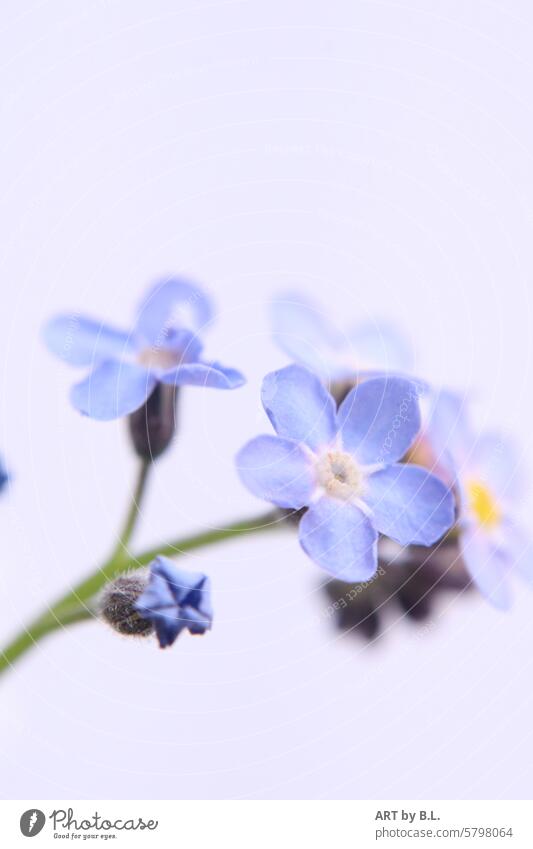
(267, 825)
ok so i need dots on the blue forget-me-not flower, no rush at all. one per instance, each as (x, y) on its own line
(487, 475)
(343, 466)
(306, 334)
(125, 367)
(174, 600)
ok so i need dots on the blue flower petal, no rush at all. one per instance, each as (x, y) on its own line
(379, 419)
(195, 621)
(277, 470)
(178, 582)
(306, 335)
(172, 302)
(84, 341)
(410, 505)
(159, 593)
(168, 625)
(380, 345)
(214, 375)
(339, 537)
(518, 548)
(299, 406)
(184, 343)
(448, 429)
(112, 390)
(488, 567)
(496, 460)
(199, 599)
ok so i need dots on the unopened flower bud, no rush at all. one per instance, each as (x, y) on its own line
(176, 600)
(117, 605)
(152, 426)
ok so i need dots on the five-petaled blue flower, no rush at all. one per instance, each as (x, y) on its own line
(126, 367)
(304, 332)
(343, 466)
(174, 600)
(487, 474)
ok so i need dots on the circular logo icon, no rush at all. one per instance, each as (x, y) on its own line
(32, 822)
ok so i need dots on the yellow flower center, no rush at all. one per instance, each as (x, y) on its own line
(340, 475)
(483, 504)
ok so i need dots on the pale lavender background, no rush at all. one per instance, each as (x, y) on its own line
(375, 154)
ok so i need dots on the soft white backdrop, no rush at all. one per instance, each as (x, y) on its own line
(376, 155)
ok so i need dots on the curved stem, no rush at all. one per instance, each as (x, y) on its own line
(41, 626)
(264, 522)
(74, 606)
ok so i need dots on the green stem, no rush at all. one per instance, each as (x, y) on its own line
(75, 605)
(265, 522)
(133, 512)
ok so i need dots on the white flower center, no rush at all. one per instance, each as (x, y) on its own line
(340, 475)
(158, 358)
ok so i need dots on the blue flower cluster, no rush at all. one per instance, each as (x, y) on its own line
(357, 466)
(483, 471)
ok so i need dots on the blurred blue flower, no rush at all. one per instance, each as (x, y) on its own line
(487, 473)
(343, 465)
(4, 476)
(174, 600)
(306, 334)
(127, 366)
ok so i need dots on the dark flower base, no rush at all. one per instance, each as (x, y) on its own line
(411, 586)
(152, 426)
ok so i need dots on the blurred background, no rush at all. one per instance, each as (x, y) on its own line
(374, 155)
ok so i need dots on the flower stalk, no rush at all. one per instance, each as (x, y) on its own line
(78, 604)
